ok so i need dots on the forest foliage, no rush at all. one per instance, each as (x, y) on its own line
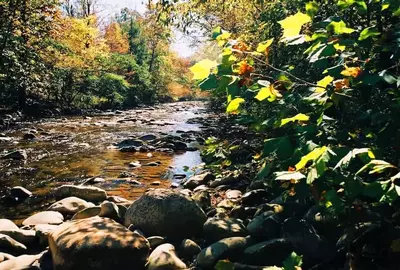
(319, 80)
(64, 55)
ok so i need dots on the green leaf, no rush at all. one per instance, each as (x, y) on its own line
(202, 69)
(297, 117)
(339, 28)
(369, 32)
(264, 171)
(281, 146)
(312, 8)
(234, 105)
(209, 83)
(263, 46)
(216, 32)
(345, 161)
(293, 24)
(376, 166)
(292, 262)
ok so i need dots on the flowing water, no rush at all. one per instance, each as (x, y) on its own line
(70, 150)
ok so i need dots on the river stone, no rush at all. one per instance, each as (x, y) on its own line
(198, 180)
(17, 155)
(20, 192)
(190, 248)
(130, 143)
(46, 217)
(166, 213)
(164, 257)
(91, 194)
(87, 213)
(26, 237)
(5, 257)
(265, 226)
(97, 243)
(70, 205)
(218, 228)
(21, 262)
(6, 224)
(9, 245)
(203, 199)
(228, 248)
(110, 210)
(117, 199)
(43, 231)
(148, 137)
(254, 197)
(272, 252)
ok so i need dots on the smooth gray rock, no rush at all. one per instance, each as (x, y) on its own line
(198, 180)
(228, 248)
(272, 252)
(190, 248)
(87, 193)
(9, 245)
(46, 217)
(164, 257)
(26, 237)
(167, 213)
(6, 224)
(69, 206)
(21, 262)
(265, 226)
(87, 213)
(218, 228)
(110, 210)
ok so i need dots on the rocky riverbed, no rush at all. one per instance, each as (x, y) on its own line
(169, 212)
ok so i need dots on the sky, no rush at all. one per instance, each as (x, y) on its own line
(180, 45)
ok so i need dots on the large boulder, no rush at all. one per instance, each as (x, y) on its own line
(97, 243)
(166, 213)
(87, 193)
(46, 217)
(164, 257)
(70, 205)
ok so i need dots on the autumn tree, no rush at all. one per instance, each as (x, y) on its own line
(115, 39)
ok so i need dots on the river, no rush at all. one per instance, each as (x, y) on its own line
(70, 150)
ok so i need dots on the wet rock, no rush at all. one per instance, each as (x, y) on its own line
(179, 146)
(164, 257)
(69, 206)
(29, 136)
(17, 155)
(9, 245)
(110, 210)
(156, 183)
(148, 137)
(25, 237)
(272, 252)
(190, 248)
(203, 199)
(197, 180)
(86, 193)
(46, 217)
(218, 228)
(226, 204)
(225, 180)
(21, 262)
(155, 241)
(265, 226)
(129, 149)
(6, 224)
(87, 213)
(130, 143)
(20, 193)
(100, 239)
(152, 164)
(166, 213)
(254, 197)
(228, 248)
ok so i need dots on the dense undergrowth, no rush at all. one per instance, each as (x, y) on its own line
(318, 83)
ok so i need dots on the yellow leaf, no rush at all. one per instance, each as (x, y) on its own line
(313, 155)
(263, 46)
(351, 72)
(322, 84)
(234, 104)
(268, 92)
(223, 38)
(292, 24)
(339, 47)
(297, 117)
(202, 69)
